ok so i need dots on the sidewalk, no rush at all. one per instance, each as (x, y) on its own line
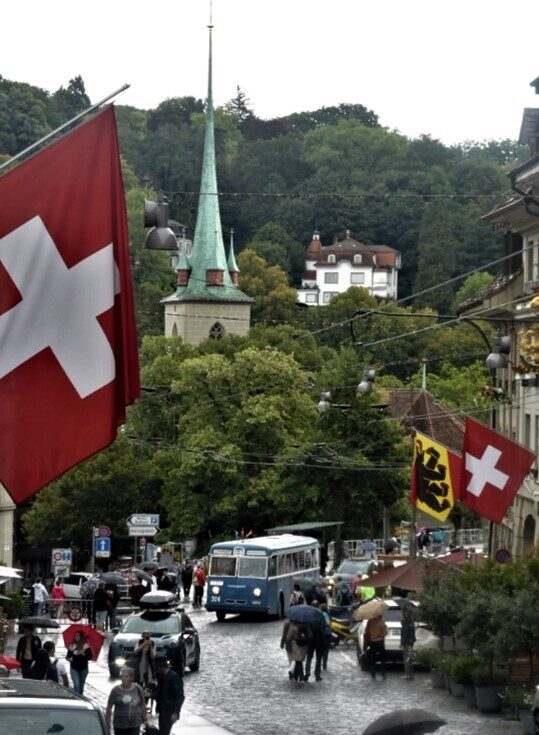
(98, 687)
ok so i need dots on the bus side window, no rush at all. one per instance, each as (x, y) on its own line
(272, 566)
(307, 555)
(281, 564)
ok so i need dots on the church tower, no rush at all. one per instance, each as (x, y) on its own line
(207, 301)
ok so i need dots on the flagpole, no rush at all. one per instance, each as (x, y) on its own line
(62, 127)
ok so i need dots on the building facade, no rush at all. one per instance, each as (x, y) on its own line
(514, 297)
(332, 269)
(207, 302)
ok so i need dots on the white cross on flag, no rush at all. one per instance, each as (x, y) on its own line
(68, 348)
(493, 468)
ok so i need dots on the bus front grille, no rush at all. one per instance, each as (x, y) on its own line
(236, 602)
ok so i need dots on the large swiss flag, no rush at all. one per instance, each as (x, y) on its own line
(68, 348)
(493, 468)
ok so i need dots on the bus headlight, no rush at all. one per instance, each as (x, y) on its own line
(120, 661)
(215, 590)
(257, 592)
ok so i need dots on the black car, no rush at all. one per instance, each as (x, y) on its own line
(171, 631)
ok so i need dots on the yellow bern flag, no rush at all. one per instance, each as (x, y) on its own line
(435, 478)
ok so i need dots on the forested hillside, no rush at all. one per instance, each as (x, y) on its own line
(328, 169)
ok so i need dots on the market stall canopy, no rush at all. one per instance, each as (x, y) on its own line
(408, 576)
(7, 573)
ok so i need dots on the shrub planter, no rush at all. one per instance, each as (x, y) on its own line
(469, 695)
(457, 689)
(526, 721)
(437, 679)
(488, 699)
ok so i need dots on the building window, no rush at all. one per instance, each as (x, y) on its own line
(527, 430)
(217, 331)
(529, 261)
(357, 258)
(331, 258)
(380, 277)
(329, 296)
(311, 298)
(357, 278)
(331, 278)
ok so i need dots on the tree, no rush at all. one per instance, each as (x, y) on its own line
(275, 300)
(71, 99)
(103, 489)
(239, 106)
(276, 246)
(471, 286)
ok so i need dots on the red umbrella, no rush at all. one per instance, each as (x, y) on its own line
(93, 637)
(9, 662)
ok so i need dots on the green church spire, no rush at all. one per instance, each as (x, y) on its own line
(209, 279)
(232, 265)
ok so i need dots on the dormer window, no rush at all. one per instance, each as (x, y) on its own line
(331, 258)
(357, 259)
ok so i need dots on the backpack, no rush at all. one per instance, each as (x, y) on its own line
(302, 636)
(347, 596)
(52, 672)
(298, 598)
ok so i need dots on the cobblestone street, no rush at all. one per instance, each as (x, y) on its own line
(243, 686)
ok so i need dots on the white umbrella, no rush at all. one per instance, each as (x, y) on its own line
(9, 573)
(370, 610)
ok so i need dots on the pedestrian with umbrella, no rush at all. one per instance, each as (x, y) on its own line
(297, 633)
(408, 637)
(79, 653)
(405, 722)
(375, 634)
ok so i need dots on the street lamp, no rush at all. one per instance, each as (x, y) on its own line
(366, 384)
(501, 347)
(160, 237)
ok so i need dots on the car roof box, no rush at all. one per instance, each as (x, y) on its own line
(158, 601)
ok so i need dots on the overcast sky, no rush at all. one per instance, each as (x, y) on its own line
(455, 70)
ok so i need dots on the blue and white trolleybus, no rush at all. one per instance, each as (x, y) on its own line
(257, 574)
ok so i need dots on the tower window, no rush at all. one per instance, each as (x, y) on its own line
(331, 258)
(357, 258)
(217, 331)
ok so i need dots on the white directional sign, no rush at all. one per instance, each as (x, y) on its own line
(143, 530)
(143, 519)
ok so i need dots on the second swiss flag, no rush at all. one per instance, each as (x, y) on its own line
(493, 469)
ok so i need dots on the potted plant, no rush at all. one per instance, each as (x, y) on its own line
(488, 684)
(13, 608)
(430, 658)
(461, 674)
(519, 697)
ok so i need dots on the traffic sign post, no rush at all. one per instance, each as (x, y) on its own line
(102, 548)
(143, 519)
(62, 558)
(141, 525)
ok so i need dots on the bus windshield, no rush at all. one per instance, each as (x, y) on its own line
(248, 567)
(223, 566)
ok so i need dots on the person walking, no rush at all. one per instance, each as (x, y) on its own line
(145, 661)
(374, 643)
(58, 597)
(295, 640)
(113, 597)
(58, 667)
(326, 634)
(169, 696)
(79, 654)
(126, 706)
(186, 575)
(315, 647)
(40, 597)
(296, 596)
(408, 639)
(100, 606)
(199, 580)
(27, 647)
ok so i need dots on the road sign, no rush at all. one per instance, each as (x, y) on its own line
(142, 530)
(62, 557)
(102, 548)
(143, 519)
(103, 531)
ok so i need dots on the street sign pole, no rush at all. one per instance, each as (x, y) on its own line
(93, 551)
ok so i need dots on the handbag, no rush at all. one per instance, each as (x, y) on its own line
(151, 729)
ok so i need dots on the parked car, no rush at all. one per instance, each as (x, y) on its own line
(171, 631)
(73, 582)
(392, 618)
(28, 707)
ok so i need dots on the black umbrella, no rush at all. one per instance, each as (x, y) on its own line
(113, 578)
(405, 722)
(39, 622)
(145, 565)
(143, 576)
(305, 614)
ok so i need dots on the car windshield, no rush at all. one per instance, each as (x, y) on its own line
(223, 566)
(353, 567)
(157, 625)
(42, 720)
(252, 567)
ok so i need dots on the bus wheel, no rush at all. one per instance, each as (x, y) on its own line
(281, 606)
(221, 614)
